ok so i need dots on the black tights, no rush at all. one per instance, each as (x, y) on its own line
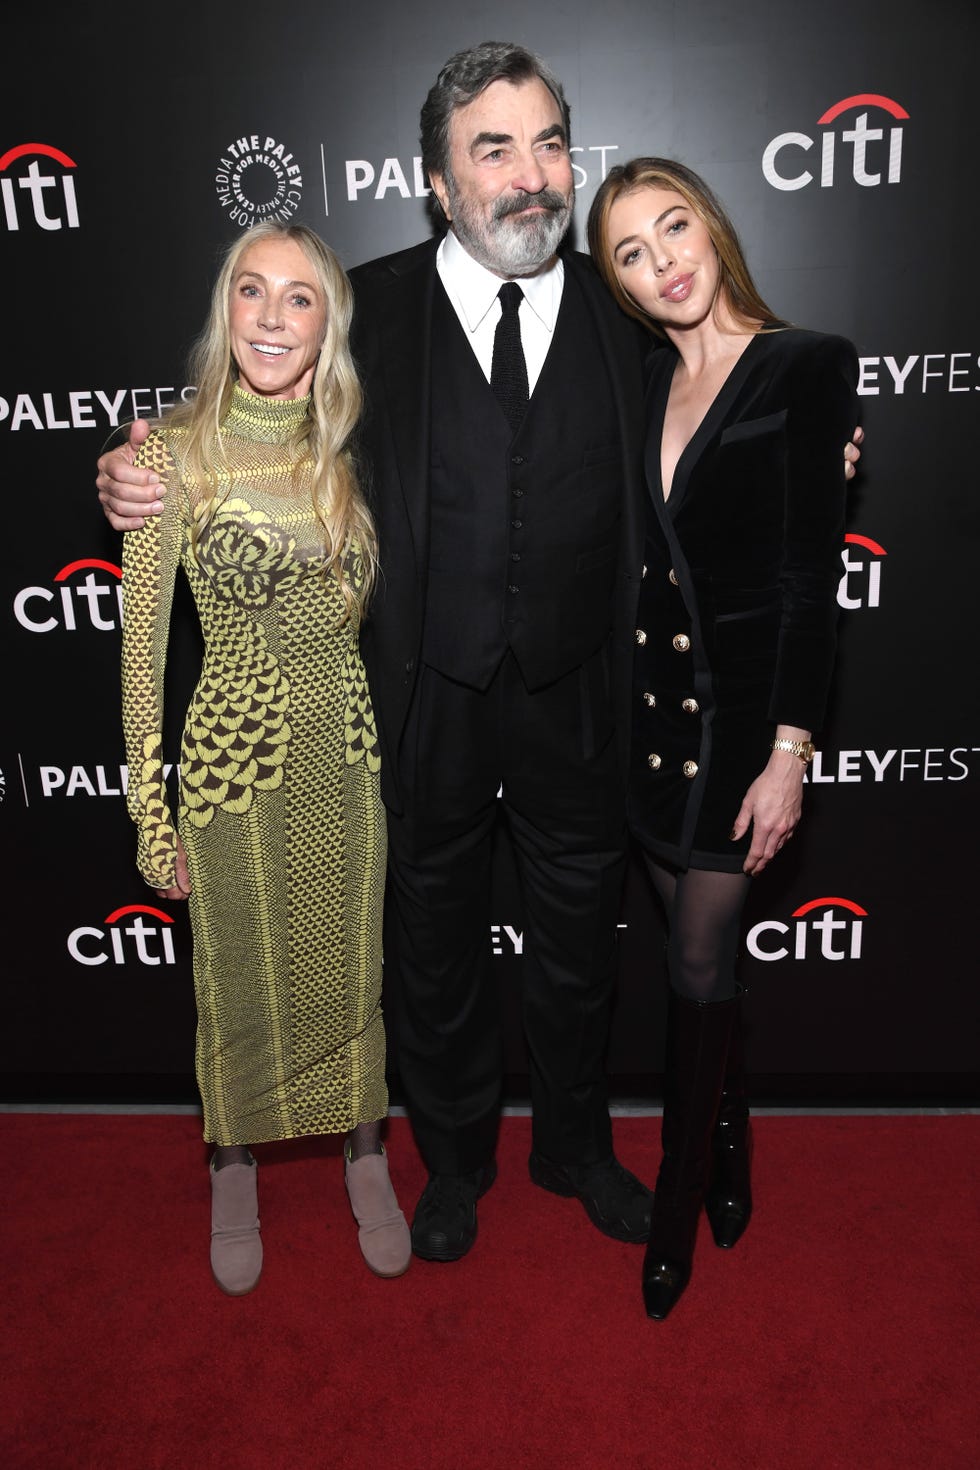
(703, 913)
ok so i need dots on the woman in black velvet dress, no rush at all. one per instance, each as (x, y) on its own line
(735, 635)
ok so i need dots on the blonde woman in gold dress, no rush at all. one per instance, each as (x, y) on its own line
(279, 843)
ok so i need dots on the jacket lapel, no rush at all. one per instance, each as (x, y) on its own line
(710, 425)
(405, 333)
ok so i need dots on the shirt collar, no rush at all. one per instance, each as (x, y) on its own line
(475, 289)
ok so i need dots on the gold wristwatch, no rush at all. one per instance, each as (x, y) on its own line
(803, 748)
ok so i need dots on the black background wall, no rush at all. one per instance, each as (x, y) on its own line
(135, 143)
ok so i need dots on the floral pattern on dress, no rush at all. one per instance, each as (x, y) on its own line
(248, 558)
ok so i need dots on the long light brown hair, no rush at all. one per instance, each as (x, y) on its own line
(735, 283)
(325, 434)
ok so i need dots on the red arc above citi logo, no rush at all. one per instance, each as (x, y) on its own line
(51, 199)
(90, 602)
(876, 151)
(860, 586)
(138, 941)
(824, 928)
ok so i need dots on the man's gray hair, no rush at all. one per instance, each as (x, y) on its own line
(463, 78)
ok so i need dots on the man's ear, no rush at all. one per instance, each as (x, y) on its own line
(437, 184)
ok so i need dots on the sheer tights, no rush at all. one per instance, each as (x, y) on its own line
(704, 910)
(364, 1139)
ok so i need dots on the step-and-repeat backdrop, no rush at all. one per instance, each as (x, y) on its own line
(135, 142)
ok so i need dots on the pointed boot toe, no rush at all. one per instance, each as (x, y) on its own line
(663, 1284)
(728, 1219)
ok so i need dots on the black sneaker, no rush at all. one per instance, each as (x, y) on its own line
(444, 1226)
(614, 1199)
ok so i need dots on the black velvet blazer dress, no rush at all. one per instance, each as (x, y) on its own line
(738, 604)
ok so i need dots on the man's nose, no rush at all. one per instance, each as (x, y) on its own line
(529, 174)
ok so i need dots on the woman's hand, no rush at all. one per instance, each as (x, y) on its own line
(772, 805)
(183, 885)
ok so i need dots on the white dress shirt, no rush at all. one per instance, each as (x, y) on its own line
(473, 289)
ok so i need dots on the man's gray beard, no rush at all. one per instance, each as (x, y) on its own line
(512, 244)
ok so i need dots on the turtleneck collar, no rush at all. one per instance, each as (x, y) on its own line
(268, 420)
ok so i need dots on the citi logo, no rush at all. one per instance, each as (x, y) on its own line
(51, 200)
(146, 943)
(860, 586)
(76, 600)
(828, 928)
(875, 152)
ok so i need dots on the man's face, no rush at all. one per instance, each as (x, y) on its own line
(509, 189)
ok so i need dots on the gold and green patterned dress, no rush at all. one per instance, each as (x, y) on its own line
(280, 809)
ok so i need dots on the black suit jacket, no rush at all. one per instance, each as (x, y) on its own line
(392, 340)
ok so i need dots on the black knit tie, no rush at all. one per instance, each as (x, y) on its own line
(508, 372)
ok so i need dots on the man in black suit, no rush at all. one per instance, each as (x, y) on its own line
(506, 502)
(499, 444)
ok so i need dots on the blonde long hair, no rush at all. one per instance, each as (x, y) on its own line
(325, 433)
(735, 283)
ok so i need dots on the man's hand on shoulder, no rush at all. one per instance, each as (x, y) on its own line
(852, 453)
(127, 494)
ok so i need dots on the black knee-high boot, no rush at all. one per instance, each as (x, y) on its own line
(697, 1050)
(728, 1198)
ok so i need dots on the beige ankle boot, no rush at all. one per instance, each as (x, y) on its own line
(383, 1233)
(236, 1249)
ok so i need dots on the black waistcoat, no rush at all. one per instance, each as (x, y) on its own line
(524, 529)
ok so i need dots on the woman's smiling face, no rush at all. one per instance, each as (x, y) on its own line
(277, 319)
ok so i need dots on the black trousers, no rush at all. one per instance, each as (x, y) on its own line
(553, 755)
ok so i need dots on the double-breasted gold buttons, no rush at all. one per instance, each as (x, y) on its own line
(680, 641)
(690, 706)
(641, 637)
(651, 700)
(690, 769)
(654, 761)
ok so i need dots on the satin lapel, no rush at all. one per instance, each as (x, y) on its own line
(405, 329)
(657, 394)
(706, 430)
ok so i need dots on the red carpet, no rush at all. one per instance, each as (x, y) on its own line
(841, 1334)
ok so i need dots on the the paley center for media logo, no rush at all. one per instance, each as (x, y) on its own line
(257, 178)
